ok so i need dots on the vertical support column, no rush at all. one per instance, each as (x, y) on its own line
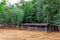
(28, 28)
(36, 27)
(50, 28)
(46, 29)
(22, 27)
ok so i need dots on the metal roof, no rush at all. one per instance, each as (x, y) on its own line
(39, 24)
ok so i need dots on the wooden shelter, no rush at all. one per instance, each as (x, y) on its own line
(36, 26)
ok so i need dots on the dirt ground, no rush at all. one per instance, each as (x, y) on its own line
(9, 34)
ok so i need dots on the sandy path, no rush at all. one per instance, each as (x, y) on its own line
(9, 34)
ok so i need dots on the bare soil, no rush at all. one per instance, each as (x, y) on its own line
(14, 34)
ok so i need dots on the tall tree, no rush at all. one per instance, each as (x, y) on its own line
(2, 4)
(28, 10)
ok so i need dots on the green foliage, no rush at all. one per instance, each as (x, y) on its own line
(51, 10)
(2, 5)
(29, 13)
(14, 17)
(1, 10)
(37, 11)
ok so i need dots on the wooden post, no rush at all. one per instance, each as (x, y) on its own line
(50, 28)
(46, 29)
(36, 27)
(22, 27)
(28, 28)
